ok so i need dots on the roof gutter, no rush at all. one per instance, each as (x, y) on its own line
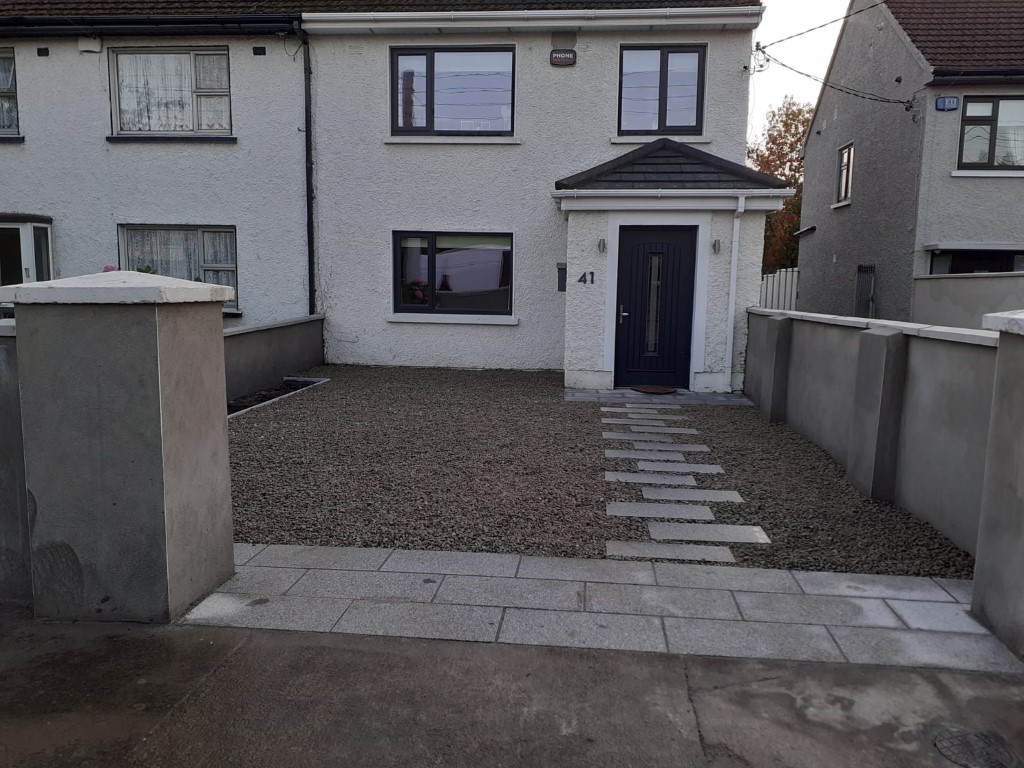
(142, 26)
(949, 77)
(744, 17)
(661, 194)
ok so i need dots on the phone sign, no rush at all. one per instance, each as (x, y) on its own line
(563, 57)
(947, 103)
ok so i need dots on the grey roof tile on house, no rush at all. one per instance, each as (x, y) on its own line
(668, 164)
(112, 8)
(965, 34)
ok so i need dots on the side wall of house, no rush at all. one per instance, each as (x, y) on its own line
(877, 227)
(370, 184)
(67, 169)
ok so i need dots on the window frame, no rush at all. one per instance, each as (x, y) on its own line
(193, 51)
(432, 235)
(201, 265)
(844, 192)
(993, 123)
(12, 91)
(428, 52)
(701, 49)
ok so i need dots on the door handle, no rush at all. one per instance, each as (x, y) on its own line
(622, 314)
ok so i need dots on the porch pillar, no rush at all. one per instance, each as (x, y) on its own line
(126, 452)
(999, 564)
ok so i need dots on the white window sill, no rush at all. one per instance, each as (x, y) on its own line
(649, 139)
(453, 140)
(844, 204)
(990, 174)
(414, 317)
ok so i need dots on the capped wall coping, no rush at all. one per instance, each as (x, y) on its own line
(271, 326)
(975, 276)
(8, 328)
(986, 338)
(1005, 322)
(124, 287)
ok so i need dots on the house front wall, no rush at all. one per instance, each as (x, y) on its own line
(370, 184)
(66, 168)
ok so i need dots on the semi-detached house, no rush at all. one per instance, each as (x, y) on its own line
(528, 185)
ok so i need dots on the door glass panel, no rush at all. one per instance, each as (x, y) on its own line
(681, 99)
(976, 144)
(41, 241)
(473, 91)
(641, 79)
(653, 326)
(10, 256)
(415, 255)
(412, 91)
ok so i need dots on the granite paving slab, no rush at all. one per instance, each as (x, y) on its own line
(512, 593)
(676, 466)
(304, 614)
(416, 587)
(344, 558)
(661, 511)
(914, 648)
(870, 585)
(462, 563)
(649, 477)
(817, 609)
(725, 577)
(669, 551)
(570, 569)
(582, 630)
(731, 534)
(658, 456)
(748, 639)
(437, 622)
(690, 494)
(661, 601)
(937, 617)
(961, 589)
(647, 429)
(253, 580)
(246, 552)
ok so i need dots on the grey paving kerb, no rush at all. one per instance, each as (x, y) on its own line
(658, 607)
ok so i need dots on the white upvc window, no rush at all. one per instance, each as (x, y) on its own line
(8, 93)
(26, 255)
(202, 254)
(171, 91)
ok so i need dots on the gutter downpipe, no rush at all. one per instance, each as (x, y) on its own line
(307, 82)
(741, 208)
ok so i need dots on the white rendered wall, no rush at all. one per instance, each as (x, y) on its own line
(368, 186)
(66, 169)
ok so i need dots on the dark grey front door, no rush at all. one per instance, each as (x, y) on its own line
(654, 312)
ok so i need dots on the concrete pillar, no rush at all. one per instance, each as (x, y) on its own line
(877, 412)
(999, 563)
(775, 376)
(126, 451)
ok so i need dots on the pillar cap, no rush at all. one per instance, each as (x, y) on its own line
(116, 288)
(1005, 322)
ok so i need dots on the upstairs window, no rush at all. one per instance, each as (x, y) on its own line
(176, 92)
(661, 90)
(844, 186)
(456, 92)
(203, 254)
(992, 133)
(8, 93)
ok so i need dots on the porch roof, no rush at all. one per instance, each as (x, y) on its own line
(668, 164)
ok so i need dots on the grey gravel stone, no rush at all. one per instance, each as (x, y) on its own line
(868, 585)
(417, 587)
(582, 630)
(249, 580)
(913, 648)
(309, 614)
(465, 563)
(669, 551)
(649, 477)
(725, 577)
(439, 622)
(726, 534)
(676, 466)
(937, 617)
(662, 511)
(748, 639)
(661, 601)
(512, 593)
(817, 609)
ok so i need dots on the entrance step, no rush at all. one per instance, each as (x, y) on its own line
(669, 551)
(690, 494)
(648, 477)
(686, 469)
(660, 511)
(731, 534)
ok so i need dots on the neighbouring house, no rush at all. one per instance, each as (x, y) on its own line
(540, 187)
(915, 169)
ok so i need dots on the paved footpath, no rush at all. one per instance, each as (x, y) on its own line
(679, 608)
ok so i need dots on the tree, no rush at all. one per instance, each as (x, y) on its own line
(779, 153)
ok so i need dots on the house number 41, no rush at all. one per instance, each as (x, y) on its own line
(586, 277)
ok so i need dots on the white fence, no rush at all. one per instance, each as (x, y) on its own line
(780, 289)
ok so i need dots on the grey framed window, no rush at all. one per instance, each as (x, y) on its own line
(171, 91)
(453, 272)
(453, 91)
(844, 177)
(203, 254)
(8, 93)
(661, 89)
(992, 133)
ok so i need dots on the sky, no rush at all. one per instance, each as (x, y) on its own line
(810, 53)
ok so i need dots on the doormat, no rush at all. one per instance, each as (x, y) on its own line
(655, 390)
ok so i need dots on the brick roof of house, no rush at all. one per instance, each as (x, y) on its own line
(113, 8)
(965, 34)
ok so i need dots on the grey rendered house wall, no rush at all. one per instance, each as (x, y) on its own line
(878, 227)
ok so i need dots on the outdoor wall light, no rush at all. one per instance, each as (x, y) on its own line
(716, 246)
(602, 245)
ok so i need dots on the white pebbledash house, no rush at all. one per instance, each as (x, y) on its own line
(552, 185)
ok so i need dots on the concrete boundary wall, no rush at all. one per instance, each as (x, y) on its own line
(259, 356)
(964, 300)
(903, 407)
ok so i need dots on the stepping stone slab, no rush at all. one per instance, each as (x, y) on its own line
(659, 417)
(646, 455)
(648, 477)
(638, 406)
(869, 585)
(306, 614)
(512, 593)
(414, 587)
(731, 534)
(437, 622)
(937, 617)
(817, 609)
(661, 601)
(913, 648)
(462, 563)
(572, 569)
(345, 558)
(246, 552)
(668, 551)
(657, 443)
(661, 511)
(637, 411)
(750, 640)
(725, 577)
(647, 429)
(962, 590)
(635, 422)
(687, 469)
(630, 436)
(250, 580)
(690, 494)
(582, 630)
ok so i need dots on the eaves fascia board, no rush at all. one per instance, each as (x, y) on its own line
(142, 26)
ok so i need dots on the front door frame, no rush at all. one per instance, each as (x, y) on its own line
(617, 220)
